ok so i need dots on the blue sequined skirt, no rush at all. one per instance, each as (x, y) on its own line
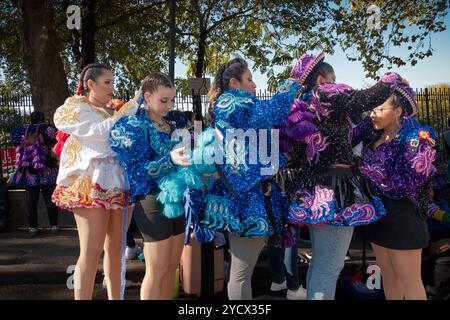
(246, 215)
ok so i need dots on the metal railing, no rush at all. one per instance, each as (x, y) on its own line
(434, 110)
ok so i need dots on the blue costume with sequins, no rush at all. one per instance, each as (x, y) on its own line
(400, 171)
(145, 154)
(245, 213)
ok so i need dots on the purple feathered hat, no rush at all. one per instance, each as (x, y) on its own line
(305, 65)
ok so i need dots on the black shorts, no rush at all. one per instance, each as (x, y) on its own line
(152, 223)
(403, 228)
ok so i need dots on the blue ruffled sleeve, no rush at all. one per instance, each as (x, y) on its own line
(235, 110)
(401, 166)
(268, 113)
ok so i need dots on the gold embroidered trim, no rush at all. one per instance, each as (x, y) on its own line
(67, 114)
(73, 148)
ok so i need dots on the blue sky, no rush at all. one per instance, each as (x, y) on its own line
(429, 71)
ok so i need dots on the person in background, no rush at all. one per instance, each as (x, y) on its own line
(37, 168)
(447, 146)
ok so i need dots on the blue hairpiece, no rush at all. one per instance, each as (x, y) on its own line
(141, 111)
(141, 99)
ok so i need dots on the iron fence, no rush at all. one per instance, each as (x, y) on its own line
(434, 110)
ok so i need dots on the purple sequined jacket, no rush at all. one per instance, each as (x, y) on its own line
(323, 120)
(401, 167)
(37, 166)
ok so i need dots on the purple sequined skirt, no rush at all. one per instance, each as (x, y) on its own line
(338, 197)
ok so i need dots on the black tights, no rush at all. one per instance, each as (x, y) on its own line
(32, 195)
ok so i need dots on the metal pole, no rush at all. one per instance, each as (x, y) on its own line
(427, 104)
(172, 7)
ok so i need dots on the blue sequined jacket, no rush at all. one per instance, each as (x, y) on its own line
(144, 152)
(245, 214)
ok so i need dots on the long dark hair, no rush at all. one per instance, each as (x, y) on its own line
(37, 117)
(91, 72)
(322, 69)
(234, 68)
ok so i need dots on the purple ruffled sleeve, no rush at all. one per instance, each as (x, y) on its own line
(345, 101)
(361, 131)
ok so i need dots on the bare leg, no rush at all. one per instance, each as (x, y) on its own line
(91, 225)
(157, 262)
(393, 288)
(112, 261)
(407, 264)
(176, 249)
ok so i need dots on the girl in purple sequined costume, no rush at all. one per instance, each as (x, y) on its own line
(37, 168)
(398, 161)
(326, 189)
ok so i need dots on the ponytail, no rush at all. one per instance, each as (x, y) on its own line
(90, 72)
(232, 69)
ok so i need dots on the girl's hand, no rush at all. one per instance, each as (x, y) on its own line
(137, 94)
(180, 157)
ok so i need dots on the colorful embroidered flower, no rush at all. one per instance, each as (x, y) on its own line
(423, 161)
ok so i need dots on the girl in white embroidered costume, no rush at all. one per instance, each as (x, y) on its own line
(91, 181)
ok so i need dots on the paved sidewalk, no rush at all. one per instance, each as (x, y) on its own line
(37, 268)
(45, 259)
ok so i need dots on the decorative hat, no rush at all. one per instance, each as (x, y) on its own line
(408, 97)
(305, 65)
(403, 91)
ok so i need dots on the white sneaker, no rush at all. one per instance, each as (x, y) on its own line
(128, 283)
(132, 253)
(299, 294)
(278, 286)
(308, 254)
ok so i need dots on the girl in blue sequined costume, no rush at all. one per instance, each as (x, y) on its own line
(157, 182)
(243, 200)
(398, 159)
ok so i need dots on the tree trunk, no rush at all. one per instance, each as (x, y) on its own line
(201, 51)
(40, 53)
(88, 33)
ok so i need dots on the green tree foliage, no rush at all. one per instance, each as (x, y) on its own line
(132, 36)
